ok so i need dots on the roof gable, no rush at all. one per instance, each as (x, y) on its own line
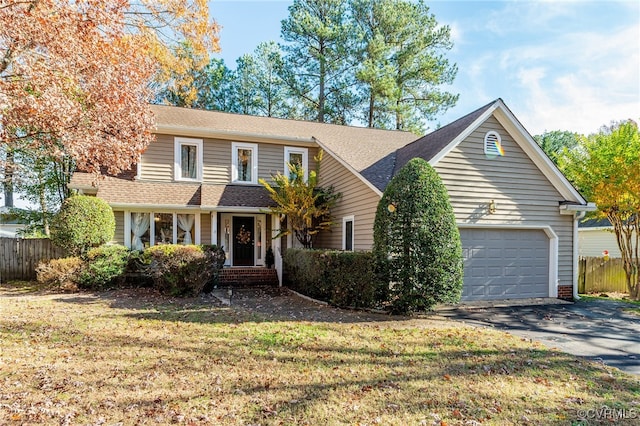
(436, 145)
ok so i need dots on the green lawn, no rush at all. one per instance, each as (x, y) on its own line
(132, 357)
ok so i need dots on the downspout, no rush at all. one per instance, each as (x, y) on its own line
(578, 216)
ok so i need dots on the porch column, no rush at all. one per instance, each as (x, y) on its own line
(214, 228)
(197, 229)
(127, 229)
(275, 246)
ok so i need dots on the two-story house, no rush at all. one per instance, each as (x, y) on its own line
(198, 183)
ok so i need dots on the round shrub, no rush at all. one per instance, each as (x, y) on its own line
(417, 246)
(82, 223)
(105, 266)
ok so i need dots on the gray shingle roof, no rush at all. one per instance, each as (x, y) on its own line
(360, 147)
(430, 145)
(594, 223)
(115, 190)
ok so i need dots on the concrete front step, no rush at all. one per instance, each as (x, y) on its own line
(246, 277)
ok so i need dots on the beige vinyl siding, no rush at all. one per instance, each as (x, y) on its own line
(118, 237)
(217, 161)
(592, 242)
(357, 199)
(271, 160)
(523, 195)
(157, 160)
(205, 228)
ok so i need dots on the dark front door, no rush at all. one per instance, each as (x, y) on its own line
(243, 237)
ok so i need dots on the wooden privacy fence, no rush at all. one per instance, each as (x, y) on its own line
(598, 275)
(19, 257)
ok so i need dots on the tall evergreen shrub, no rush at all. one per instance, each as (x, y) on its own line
(417, 246)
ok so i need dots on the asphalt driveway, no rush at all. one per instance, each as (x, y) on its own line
(599, 330)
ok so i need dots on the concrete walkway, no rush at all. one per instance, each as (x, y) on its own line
(599, 330)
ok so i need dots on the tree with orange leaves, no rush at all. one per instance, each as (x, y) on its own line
(74, 76)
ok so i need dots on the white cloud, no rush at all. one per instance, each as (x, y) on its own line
(578, 82)
(517, 16)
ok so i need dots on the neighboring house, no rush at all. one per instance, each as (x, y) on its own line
(198, 183)
(10, 224)
(595, 236)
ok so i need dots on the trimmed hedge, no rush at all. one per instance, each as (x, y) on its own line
(61, 273)
(183, 270)
(104, 267)
(344, 279)
(173, 269)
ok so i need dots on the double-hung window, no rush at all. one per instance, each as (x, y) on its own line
(188, 159)
(244, 162)
(296, 157)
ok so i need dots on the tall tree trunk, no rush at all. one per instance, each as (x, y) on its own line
(45, 212)
(371, 105)
(624, 231)
(321, 94)
(8, 178)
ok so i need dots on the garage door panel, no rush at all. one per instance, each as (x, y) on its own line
(505, 263)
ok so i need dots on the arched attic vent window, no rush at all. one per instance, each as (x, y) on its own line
(493, 145)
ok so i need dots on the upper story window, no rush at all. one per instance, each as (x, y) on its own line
(300, 156)
(244, 163)
(188, 159)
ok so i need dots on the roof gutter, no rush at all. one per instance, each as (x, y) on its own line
(574, 208)
(231, 135)
(151, 207)
(579, 214)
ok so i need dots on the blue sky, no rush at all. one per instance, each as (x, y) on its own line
(558, 65)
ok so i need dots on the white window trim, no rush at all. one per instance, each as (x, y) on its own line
(139, 167)
(196, 238)
(235, 146)
(288, 150)
(351, 219)
(177, 158)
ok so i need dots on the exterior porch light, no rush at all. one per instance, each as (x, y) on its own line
(492, 207)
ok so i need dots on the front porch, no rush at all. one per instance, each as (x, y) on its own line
(246, 235)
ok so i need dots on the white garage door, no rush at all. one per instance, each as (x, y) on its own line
(505, 263)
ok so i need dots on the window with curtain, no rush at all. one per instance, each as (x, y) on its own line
(244, 163)
(189, 161)
(188, 158)
(139, 231)
(185, 228)
(296, 156)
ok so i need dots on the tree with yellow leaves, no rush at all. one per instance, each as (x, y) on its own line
(605, 167)
(305, 206)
